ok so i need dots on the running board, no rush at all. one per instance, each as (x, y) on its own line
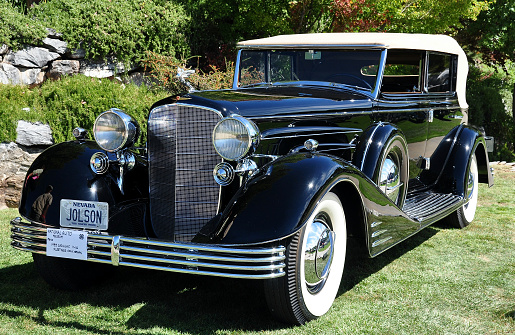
(425, 206)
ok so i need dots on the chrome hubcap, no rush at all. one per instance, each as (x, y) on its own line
(470, 188)
(390, 181)
(318, 253)
(470, 185)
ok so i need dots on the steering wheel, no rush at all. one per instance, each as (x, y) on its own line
(350, 75)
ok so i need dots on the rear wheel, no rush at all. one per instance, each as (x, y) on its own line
(465, 214)
(315, 259)
(69, 274)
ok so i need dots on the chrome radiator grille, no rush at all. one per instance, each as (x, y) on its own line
(183, 193)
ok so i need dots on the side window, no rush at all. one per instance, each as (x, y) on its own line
(439, 74)
(402, 72)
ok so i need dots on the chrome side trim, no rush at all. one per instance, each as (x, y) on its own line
(115, 250)
(200, 259)
(314, 46)
(379, 242)
(380, 71)
(295, 132)
(369, 142)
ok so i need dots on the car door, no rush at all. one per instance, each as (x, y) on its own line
(403, 102)
(444, 111)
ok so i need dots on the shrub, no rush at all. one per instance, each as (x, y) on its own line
(490, 97)
(72, 102)
(125, 29)
(164, 70)
(16, 28)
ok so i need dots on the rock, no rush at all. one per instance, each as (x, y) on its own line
(20, 76)
(31, 57)
(3, 49)
(55, 45)
(139, 79)
(53, 34)
(76, 54)
(30, 134)
(9, 74)
(63, 67)
(14, 164)
(12, 193)
(31, 76)
(105, 69)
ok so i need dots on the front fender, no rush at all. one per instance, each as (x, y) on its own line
(65, 167)
(277, 201)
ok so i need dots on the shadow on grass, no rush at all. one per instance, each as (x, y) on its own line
(189, 304)
(510, 315)
(360, 266)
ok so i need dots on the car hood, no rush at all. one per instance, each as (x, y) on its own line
(276, 101)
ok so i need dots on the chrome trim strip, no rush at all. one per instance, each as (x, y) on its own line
(380, 73)
(379, 232)
(287, 116)
(400, 110)
(197, 106)
(314, 46)
(201, 259)
(236, 71)
(291, 132)
(379, 242)
(115, 250)
(369, 142)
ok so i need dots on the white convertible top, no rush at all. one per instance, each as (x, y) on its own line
(437, 43)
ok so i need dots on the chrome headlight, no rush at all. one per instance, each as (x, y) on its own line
(234, 137)
(115, 130)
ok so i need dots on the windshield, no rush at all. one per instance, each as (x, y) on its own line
(353, 68)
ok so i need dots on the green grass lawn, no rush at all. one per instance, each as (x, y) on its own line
(441, 281)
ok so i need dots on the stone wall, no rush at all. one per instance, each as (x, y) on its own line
(16, 158)
(33, 64)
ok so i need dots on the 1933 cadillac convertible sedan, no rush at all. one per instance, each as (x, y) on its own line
(322, 138)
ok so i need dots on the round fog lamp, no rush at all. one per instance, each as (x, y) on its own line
(99, 163)
(223, 173)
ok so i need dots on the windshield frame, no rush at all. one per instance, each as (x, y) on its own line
(373, 94)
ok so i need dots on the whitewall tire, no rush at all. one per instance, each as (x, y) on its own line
(465, 214)
(315, 260)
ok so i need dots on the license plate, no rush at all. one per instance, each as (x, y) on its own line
(84, 214)
(66, 243)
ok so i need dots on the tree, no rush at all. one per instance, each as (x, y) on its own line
(492, 35)
(435, 16)
(363, 15)
(490, 42)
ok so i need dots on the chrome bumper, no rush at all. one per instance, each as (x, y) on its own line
(192, 258)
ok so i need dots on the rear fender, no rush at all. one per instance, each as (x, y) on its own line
(450, 161)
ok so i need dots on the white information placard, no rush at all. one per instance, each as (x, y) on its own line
(65, 243)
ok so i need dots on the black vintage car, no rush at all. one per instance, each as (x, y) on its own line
(323, 138)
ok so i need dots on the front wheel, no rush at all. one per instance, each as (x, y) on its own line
(315, 259)
(465, 214)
